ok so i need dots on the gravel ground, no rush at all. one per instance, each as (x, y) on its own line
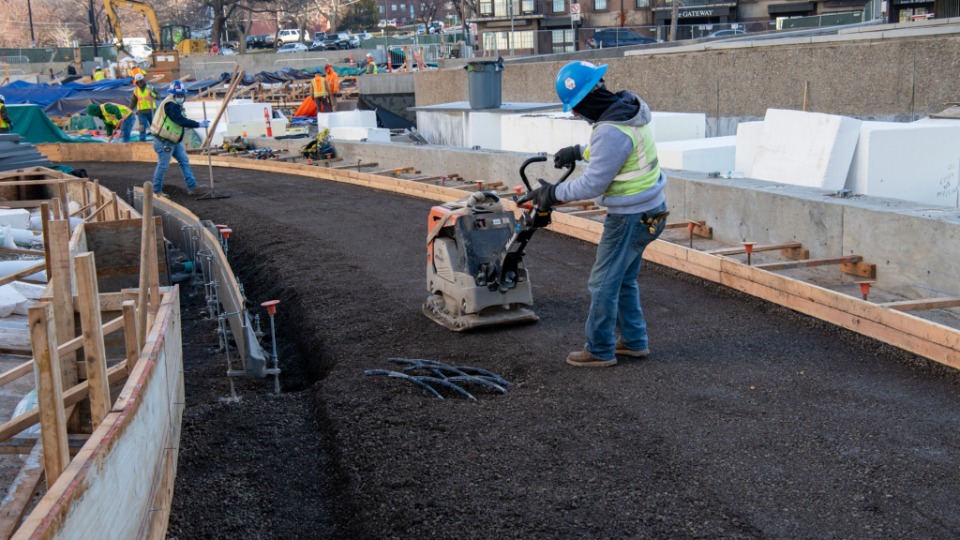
(747, 421)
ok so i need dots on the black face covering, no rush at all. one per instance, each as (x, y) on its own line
(595, 103)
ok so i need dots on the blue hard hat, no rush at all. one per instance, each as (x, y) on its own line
(575, 80)
(176, 88)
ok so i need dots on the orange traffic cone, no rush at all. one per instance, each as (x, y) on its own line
(266, 117)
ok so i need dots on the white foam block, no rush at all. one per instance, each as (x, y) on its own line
(360, 133)
(913, 162)
(483, 130)
(672, 126)
(701, 155)
(17, 218)
(257, 128)
(247, 112)
(748, 136)
(806, 149)
(546, 132)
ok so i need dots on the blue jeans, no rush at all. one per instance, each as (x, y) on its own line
(126, 127)
(145, 118)
(615, 294)
(165, 150)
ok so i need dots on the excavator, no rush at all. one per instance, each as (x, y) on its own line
(174, 39)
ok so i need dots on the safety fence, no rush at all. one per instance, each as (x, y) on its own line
(41, 55)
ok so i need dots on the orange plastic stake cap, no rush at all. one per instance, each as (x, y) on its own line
(864, 286)
(225, 232)
(691, 225)
(518, 190)
(271, 306)
(748, 246)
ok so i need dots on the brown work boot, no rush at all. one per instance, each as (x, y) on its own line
(635, 353)
(585, 359)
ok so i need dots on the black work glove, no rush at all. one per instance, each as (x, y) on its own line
(544, 197)
(567, 156)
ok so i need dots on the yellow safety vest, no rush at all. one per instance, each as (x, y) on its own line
(3, 123)
(319, 86)
(144, 98)
(98, 75)
(165, 128)
(641, 170)
(111, 119)
(374, 70)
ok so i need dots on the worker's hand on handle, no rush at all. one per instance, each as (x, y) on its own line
(567, 156)
(204, 123)
(543, 197)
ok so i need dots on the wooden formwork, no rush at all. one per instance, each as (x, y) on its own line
(115, 405)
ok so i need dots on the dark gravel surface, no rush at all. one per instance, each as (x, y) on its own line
(748, 420)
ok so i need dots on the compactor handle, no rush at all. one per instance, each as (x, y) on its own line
(523, 169)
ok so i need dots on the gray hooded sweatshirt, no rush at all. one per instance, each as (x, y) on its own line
(609, 150)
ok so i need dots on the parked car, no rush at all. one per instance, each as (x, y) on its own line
(318, 46)
(339, 40)
(435, 27)
(289, 35)
(293, 48)
(354, 41)
(319, 36)
(616, 37)
(727, 33)
(228, 49)
(256, 42)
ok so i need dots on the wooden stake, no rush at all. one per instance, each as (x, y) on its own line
(53, 421)
(64, 199)
(44, 219)
(97, 199)
(145, 235)
(94, 352)
(223, 106)
(62, 285)
(115, 207)
(154, 283)
(130, 337)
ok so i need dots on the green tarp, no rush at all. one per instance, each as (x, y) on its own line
(35, 127)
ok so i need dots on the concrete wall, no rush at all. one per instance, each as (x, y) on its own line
(862, 75)
(268, 61)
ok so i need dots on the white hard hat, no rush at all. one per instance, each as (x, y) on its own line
(138, 77)
(2, 99)
(369, 55)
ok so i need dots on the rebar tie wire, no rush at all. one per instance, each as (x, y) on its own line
(443, 375)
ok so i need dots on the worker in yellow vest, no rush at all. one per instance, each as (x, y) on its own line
(321, 96)
(137, 70)
(168, 129)
(98, 74)
(114, 116)
(144, 101)
(623, 171)
(371, 65)
(5, 124)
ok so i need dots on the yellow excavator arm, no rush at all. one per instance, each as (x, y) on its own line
(140, 7)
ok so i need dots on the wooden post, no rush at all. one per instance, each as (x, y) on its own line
(115, 208)
(130, 337)
(93, 349)
(154, 268)
(97, 201)
(62, 286)
(44, 219)
(84, 196)
(53, 421)
(145, 235)
(64, 199)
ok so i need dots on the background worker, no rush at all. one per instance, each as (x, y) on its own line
(320, 94)
(168, 129)
(371, 65)
(144, 101)
(5, 124)
(114, 116)
(214, 49)
(333, 84)
(98, 74)
(623, 171)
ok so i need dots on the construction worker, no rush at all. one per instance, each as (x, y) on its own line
(5, 124)
(144, 101)
(137, 70)
(214, 49)
(113, 116)
(371, 65)
(168, 129)
(98, 74)
(622, 169)
(320, 94)
(333, 84)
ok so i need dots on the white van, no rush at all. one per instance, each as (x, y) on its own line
(290, 35)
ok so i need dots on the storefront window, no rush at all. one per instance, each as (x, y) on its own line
(559, 6)
(562, 41)
(599, 5)
(500, 41)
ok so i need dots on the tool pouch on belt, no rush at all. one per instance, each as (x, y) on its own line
(653, 221)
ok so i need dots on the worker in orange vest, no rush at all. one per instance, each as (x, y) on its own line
(321, 94)
(333, 83)
(214, 49)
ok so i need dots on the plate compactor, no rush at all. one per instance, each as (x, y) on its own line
(475, 271)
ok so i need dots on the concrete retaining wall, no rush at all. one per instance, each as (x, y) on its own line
(862, 75)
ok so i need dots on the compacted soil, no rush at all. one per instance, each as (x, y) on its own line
(747, 421)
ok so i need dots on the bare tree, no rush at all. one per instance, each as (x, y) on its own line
(429, 9)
